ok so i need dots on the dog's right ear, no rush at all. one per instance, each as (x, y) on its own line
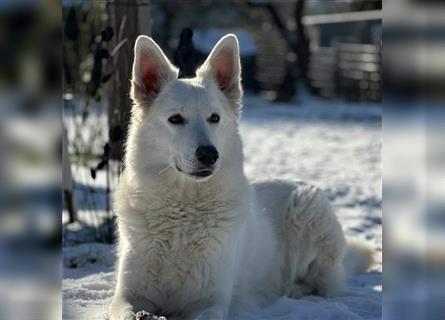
(151, 71)
(224, 67)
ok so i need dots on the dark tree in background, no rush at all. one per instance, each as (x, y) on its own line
(302, 49)
(298, 43)
(124, 19)
(363, 5)
(186, 57)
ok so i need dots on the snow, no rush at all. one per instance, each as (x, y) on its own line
(335, 146)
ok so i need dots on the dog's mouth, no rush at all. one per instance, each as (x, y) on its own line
(202, 173)
(199, 174)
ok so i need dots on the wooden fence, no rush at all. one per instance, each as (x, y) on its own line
(352, 71)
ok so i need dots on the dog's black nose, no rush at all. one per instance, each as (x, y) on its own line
(207, 155)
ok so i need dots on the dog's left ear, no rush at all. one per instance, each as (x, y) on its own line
(151, 71)
(223, 66)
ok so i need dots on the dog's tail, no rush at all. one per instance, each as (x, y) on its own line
(359, 257)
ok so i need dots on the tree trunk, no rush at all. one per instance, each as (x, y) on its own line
(124, 19)
(302, 48)
(68, 182)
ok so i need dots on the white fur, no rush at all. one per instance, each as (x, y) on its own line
(195, 248)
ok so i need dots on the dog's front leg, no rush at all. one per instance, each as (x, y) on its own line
(225, 280)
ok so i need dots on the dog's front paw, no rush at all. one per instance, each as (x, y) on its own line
(144, 315)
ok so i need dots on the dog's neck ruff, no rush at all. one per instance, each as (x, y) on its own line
(182, 197)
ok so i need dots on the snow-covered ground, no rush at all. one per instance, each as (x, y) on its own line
(334, 146)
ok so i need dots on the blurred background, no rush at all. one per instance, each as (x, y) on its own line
(414, 159)
(312, 72)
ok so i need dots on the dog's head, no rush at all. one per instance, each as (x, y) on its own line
(184, 126)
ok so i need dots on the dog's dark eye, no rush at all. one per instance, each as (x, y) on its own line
(214, 118)
(176, 119)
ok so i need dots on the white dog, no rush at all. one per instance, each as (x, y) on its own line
(196, 240)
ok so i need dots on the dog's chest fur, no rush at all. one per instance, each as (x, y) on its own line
(182, 239)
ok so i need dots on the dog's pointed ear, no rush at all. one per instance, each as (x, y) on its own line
(224, 67)
(151, 71)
